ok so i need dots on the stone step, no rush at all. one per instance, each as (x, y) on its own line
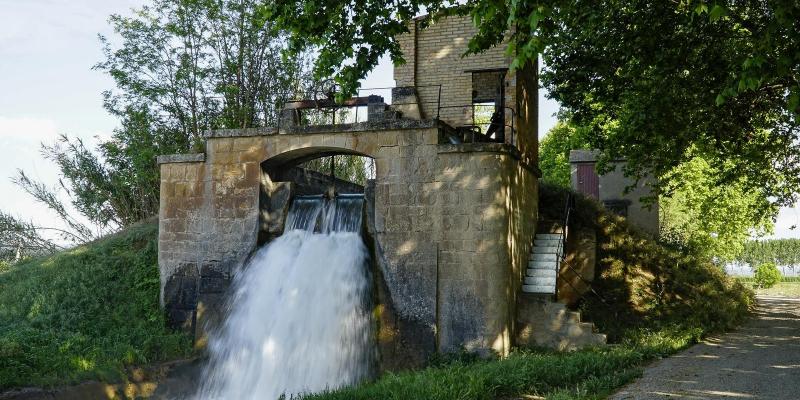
(540, 281)
(541, 272)
(538, 289)
(547, 242)
(546, 249)
(548, 236)
(544, 257)
(538, 264)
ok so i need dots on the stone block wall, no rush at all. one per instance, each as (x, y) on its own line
(452, 227)
(433, 57)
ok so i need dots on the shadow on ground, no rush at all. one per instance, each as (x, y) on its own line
(760, 360)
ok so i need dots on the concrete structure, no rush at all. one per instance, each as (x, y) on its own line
(617, 192)
(450, 224)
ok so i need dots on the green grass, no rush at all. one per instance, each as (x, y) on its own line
(587, 374)
(86, 313)
(787, 279)
(787, 289)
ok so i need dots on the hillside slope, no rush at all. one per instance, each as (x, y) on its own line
(85, 313)
(644, 284)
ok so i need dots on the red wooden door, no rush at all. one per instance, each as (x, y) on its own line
(588, 181)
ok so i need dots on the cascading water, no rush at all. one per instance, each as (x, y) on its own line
(299, 319)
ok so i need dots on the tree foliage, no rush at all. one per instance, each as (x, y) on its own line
(784, 252)
(651, 79)
(181, 67)
(711, 220)
(554, 151)
(767, 275)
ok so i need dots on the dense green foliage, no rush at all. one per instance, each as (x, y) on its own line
(778, 251)
(651, 79)
(554, 151)
(656, 301)
(711, 220)
(85, 313)
(697, 214)
(767, 275)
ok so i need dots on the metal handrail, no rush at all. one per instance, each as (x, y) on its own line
(568, 207)
(511, 116)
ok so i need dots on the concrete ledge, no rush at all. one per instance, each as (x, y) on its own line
(219, 133)
(181, 158)
(396, 124)
(501, 148)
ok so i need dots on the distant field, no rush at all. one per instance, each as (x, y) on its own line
(790, 289)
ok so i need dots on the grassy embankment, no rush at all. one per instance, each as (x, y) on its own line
(656, 301)
(87, 313)
(787, 287)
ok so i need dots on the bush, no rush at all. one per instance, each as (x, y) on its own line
(767, 275)
(647, 284)
(86, 313)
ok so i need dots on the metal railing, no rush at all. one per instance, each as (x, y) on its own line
(569, 205)
(474, 125)
(483, 128)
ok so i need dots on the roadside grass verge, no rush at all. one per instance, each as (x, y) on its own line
(586, 374)
(784, 289)
(85, 313)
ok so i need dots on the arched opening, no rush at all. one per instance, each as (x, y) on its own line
(314, 171)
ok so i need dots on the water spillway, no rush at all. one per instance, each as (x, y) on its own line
(299, 318)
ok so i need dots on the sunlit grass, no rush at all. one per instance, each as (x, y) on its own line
(85, 313)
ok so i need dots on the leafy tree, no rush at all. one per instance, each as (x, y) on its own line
(651, 79)
(181, 67)
(712, 220)
(20, 240)
(554, 152)
(784, 252)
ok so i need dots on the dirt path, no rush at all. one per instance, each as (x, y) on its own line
(761, 360)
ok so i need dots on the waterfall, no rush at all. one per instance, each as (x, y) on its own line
(299, 319)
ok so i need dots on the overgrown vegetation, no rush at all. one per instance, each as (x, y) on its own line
(647, 284)
(85, 313)
(656, 300)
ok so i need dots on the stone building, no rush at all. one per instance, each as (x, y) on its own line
(618, 193)
(451, 212)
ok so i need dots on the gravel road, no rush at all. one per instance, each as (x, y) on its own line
(760, 360)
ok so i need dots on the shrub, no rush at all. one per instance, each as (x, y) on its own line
(767, 275)
(647, 284)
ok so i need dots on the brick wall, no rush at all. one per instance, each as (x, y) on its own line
(434, 57)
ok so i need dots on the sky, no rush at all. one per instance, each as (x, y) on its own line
(48, 88)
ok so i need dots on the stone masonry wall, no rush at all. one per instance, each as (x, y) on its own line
(433, 57)
(453, 227)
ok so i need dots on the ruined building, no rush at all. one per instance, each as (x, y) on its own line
(451, 213)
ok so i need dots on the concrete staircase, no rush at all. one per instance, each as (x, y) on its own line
(544, 263)
(549, 324)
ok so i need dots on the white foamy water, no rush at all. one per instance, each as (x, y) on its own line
(299, 320)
